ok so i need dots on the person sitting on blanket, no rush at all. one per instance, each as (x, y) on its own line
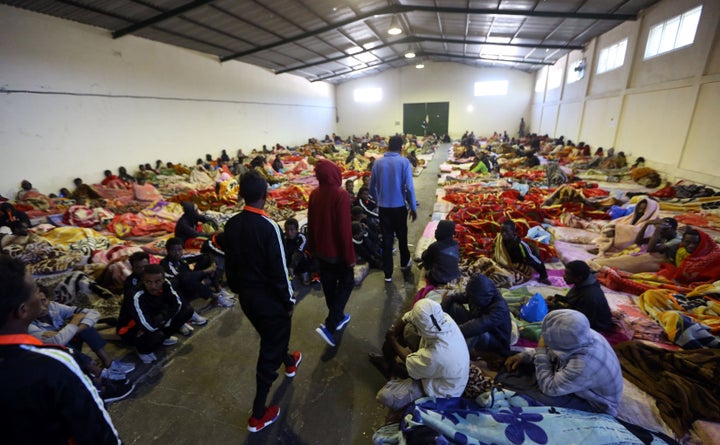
(155, 312)
(8, 214)
(664, 239)
(439, 368)
(478, 166)
(83, 192)
(368, 205)
(485, 323)
(25, 188)
(125, 176)
(187, 229)
(60, 324)
(297, 256)
(190, 283)
(277, 164)
(622, 232)
(661, 246)
(572, 367)
(350, 187)
(366, 248)
(133, 282)
(510, 251)
(585, 296)
(441, 259)
(697, 259)
(113, 181)
(372, 230)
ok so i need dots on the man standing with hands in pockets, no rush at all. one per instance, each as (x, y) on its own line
(391, 185)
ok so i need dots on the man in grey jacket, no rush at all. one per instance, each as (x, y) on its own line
(572, 367)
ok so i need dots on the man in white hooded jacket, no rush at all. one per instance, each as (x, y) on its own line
(574, 366)
(439, 367)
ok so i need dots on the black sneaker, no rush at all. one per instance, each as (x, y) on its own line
(113, 390)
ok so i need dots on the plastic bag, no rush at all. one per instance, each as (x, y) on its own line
(539, 234)
(535, 309)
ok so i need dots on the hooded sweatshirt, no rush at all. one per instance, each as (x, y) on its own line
(589, 298)
(187, 224)
(577, 360)
(488, 310)
(329, 221)
(442, 362)
(442, 258)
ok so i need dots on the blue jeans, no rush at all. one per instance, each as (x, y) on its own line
(91, 337)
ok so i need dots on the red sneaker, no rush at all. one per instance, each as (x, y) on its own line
(270, 416)
(290, 370)
(315, 277)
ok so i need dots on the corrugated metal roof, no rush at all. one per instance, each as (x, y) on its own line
(320, 39)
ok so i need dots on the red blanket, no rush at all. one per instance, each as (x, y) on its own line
(702, 266)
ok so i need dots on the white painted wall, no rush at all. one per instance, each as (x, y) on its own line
(74, 102)
(665, 109)
(437, 82)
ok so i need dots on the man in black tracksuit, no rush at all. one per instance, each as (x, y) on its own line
(153, 313)
(256, 270)
(46, 397)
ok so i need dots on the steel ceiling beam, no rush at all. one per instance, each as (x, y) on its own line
(402, 41)
(354, 70)
(413, 39)
(489, 59)
(160, 18)
(400, 9)
(432, 54)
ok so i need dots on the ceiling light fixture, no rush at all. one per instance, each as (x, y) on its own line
(420, 65)
(395, 28)
(410, 54)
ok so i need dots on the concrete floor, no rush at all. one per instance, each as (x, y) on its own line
(202, 390)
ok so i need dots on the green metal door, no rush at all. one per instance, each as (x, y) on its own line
(413, 117)
(437, 117)
(434, 116)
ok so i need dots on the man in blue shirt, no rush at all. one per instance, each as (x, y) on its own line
(391, 185)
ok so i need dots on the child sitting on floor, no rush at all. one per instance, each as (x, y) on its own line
(373, 230)
(296, 254)
(368, 205)
(365, 248)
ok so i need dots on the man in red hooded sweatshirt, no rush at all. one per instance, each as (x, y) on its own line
(330, 241)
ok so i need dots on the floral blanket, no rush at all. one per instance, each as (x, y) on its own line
(508, 421)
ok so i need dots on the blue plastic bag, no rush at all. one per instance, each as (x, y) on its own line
(539, 234)
(535, 309)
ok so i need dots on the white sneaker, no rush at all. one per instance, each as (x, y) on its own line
(172, 340)
(109, 374)
(225, 299)
(147, 358)
(198, 320)
(186, 330)
(121, 367)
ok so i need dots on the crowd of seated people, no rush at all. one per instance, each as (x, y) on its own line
(430, 346)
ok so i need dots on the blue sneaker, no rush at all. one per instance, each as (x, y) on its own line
(343, 322)
(326, 335)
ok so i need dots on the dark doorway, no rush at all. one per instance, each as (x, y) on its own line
(433, 116)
